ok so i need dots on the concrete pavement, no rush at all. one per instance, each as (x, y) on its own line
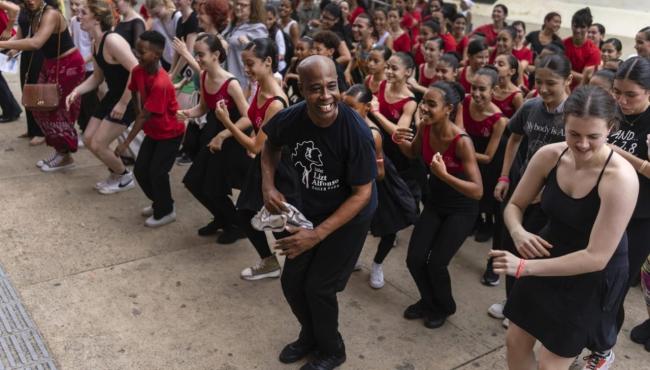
(108, 293)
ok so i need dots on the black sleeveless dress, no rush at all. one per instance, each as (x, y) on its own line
(116, 77)
(570, 313)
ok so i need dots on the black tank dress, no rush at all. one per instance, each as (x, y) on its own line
(116, 77)
(396, 207)
(570, 313)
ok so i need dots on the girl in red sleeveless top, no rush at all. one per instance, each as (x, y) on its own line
(379, 55)
(506, 95)
(394, 107)
(505, 46)
(401, 38)
(209, 179)
(477, 53)
(485, 124)
(426, 70)
(260, 62)
(452, 204)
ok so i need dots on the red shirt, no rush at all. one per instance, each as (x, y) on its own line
(158, 97)
(402, 43)
(355, 13)
(424, 80)
(4, 19)
(523, 54)
(586, 55)
(448, 42)
(461, 45)
(489, 32)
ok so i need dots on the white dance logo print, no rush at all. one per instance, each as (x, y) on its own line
(308, 158)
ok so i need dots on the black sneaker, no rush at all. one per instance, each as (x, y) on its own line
(489, 277)
(324, 362)
(294, 352)
(414, 311)
(434, 320)
(183, 160)
(641, 333)
(230, 235)
(485, 230)
(209, 229)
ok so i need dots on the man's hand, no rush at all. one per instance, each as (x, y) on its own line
(299, 242)
(121, 148)
(274, 201)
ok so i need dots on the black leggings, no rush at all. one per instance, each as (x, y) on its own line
(638, 249)
(436, 238)
(383, 248)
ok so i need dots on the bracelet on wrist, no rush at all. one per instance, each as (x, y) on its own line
(520, 268)
(505, 179)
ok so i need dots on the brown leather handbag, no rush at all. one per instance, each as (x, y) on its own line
(43, 96)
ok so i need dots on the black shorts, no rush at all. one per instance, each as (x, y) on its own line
(105, 107)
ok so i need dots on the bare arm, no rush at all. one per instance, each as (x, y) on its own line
(252, 144)
(379, 155)
(404, 120)
(635, 161)
(48, 26)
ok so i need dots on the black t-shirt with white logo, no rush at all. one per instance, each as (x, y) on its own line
(631, 137)
(329, 160)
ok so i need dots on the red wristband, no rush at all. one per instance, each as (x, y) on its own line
(505, 179)
(520, 268)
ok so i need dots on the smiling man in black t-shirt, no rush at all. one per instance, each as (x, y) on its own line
(333, 151)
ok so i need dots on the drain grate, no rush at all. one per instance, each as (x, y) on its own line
(21, 345)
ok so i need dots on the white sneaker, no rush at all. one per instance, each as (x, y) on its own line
(58, 163)
(376, 276)
(122, 183)
(505, 323)
(496, 310)
(599, 361)
(110, 179)
(147, 211)
(167, 219)
(41, 162)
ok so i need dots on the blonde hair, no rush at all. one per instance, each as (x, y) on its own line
(169, 4)
(105, 13)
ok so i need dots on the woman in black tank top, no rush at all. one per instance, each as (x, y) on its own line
(64, 66)
(113, 62)
(571, 279)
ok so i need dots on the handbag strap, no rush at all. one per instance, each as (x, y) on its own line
(58, 44)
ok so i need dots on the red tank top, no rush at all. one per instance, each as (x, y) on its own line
(423, 79)
(221, 94)
(462, 79)
(392, 111)
(478, 128)
(256, 114)
(505, 105)
(453, 163)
